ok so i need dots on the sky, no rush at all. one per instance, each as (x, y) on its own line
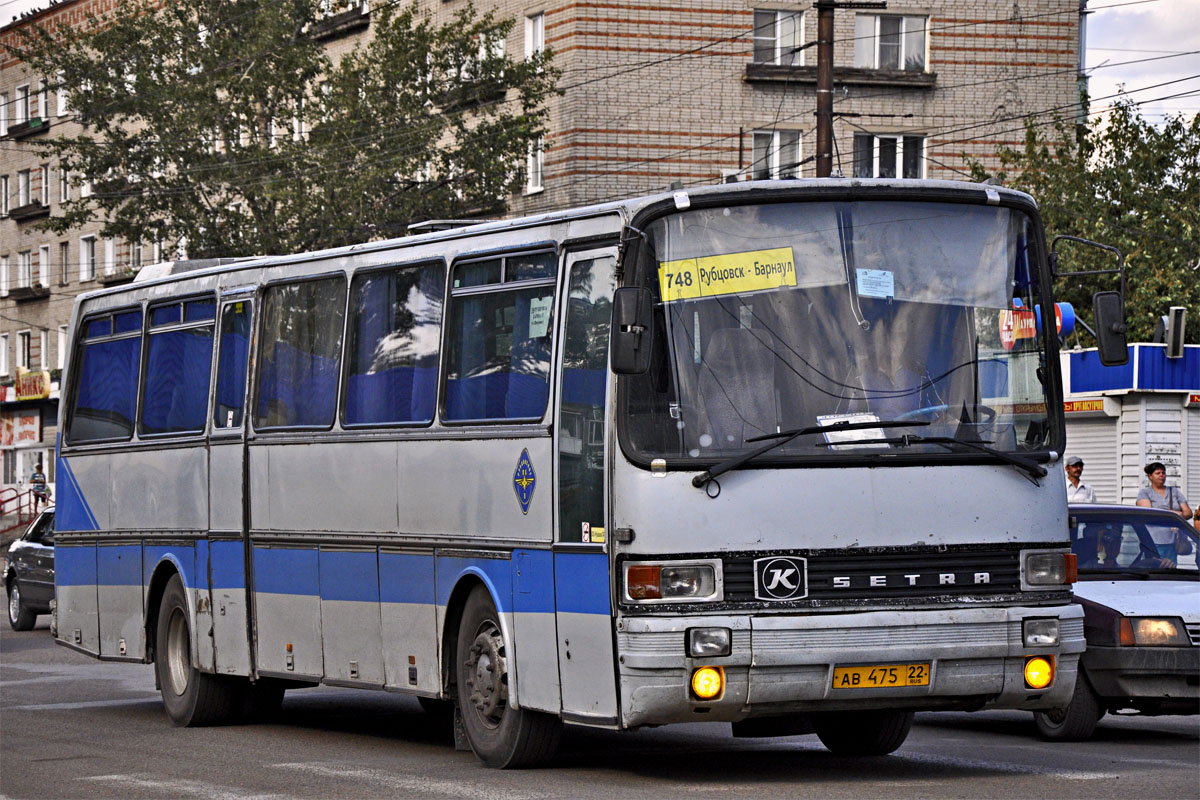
(1118, 32)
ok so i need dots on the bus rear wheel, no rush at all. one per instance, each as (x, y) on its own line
(501, 736)
(863, 733)
(191, 697)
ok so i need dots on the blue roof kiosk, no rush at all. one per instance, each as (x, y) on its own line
(1120, 418)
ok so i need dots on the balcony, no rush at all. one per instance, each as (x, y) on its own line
(343, 23)
(32, 127)
(842, 76)
(24, 294)
(29, 211)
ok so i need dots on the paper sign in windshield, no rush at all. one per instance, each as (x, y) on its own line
(876, 283)
(712, 276)
(845, 440)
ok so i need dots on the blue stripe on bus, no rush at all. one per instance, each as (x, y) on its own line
(205, 566)
(533, 581)
(581, 583)
(75, 565)
(182, 556)
(349, 576)
(405, 578)
(226, 564)
(496, 573)
(72, 512)
(286, 570)
(119, 565)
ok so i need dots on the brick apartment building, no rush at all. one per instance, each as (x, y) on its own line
(653, 93)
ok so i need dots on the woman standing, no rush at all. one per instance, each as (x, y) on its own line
(1159, 495)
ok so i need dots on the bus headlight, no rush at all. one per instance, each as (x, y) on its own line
(666, 582)
(1040, 632)
(1049, 568)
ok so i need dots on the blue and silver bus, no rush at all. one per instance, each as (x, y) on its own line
(775, 454)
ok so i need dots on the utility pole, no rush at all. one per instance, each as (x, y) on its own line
(825, 10)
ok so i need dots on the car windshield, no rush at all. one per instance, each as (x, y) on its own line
(782, 316)
(1131, 542)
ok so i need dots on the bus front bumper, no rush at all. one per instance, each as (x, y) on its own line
(779, 665)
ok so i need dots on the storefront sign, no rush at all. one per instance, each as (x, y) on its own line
(33, 385)
(1191, 400)
(20, 428)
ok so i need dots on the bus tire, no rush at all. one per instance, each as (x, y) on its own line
(863, 733)
(501, 736)
(191, 697)
(1077, 721)
(20, 617)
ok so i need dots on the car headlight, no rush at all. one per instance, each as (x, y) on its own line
(666, 582)
(1153, 632)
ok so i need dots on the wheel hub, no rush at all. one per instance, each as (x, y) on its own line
(14, 602)
(487, 675)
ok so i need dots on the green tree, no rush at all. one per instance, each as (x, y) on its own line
(225, 123)
(1127, 183)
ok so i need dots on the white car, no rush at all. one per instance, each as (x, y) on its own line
(1140, 592)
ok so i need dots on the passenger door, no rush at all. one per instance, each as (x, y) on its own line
(227, 535)
(583, 608)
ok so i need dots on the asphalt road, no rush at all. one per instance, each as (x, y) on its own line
(74, 727)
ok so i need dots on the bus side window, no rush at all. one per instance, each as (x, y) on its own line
(178, 364)
(394, 344)
(299, 353)
(106, 390)
(231, 365)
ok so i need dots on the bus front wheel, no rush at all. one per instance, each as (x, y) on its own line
(862, 733)
(191, 697)
(501, 736)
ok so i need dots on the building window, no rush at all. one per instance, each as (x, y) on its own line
(4, 195)
(43, 95)
(24, 269)
(110, 256)
(887, 41)
(85, 188)
(535, 34)
(889, 156)
(778, 36)
(87, 258)
(45, 184)
(776, 155)
(21, 105)
(3, 353)
(4, 114)
(62, 94)
(64, 186)
(535, 163)
(44, 265)
(24, 186)
(24, 344)
(3, 275)
(44, 352)
(63, 338)
(64, 261)
(135, 255)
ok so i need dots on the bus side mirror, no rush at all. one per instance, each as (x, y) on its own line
(1109, 310)
(632, 330)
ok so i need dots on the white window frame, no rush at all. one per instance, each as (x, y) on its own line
(110, 256)
(63, 106)
(21, 105)
(535, 167)
(24, 348)
(44, 265)
(24, 269)
(45, 193)
(4, 277)
(4, 114)
(905, 22)
(784, 52)
(87, 257)
(900, 145)
(3, 195)
(44, 344)
(24, 187)
(64, 186)
(64, 263)
(4, 354)
(136, 253)
(63, 338)
(43, 93)
(85, 188)
(775, 158)
(535, 34)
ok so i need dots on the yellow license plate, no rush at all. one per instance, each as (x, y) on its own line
(885, 676)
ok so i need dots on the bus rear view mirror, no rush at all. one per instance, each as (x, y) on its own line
(632, 330)
(1109, 310)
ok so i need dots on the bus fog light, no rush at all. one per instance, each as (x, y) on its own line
(709, 642)
(1039, 672)
(708, 682)
(1040, 632)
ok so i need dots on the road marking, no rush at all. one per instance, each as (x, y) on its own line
(182, 788)
(414, 785)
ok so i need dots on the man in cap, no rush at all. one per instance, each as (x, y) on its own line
(1077, 490)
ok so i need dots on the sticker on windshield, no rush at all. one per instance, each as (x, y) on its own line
(876, 283)
(734, 273)
(845, 440)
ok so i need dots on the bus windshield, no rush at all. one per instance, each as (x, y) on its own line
(783, 316)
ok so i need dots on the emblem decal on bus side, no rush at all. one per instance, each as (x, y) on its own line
(524, 481)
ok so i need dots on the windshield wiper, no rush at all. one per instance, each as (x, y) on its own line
(783, 437)
(1031, 468)
(1114, 571)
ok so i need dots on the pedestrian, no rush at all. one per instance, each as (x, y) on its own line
(1159, 495)
(38, 485)
(1077, 490)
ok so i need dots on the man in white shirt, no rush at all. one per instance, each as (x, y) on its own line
(1077, 490)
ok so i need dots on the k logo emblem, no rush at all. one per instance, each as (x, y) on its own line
(780, 578)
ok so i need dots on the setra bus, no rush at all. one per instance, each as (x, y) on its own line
(775, 454)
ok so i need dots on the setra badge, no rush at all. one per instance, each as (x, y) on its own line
(524, 481)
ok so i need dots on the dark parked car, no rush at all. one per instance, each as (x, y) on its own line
(29, 573)
(1140, 593)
